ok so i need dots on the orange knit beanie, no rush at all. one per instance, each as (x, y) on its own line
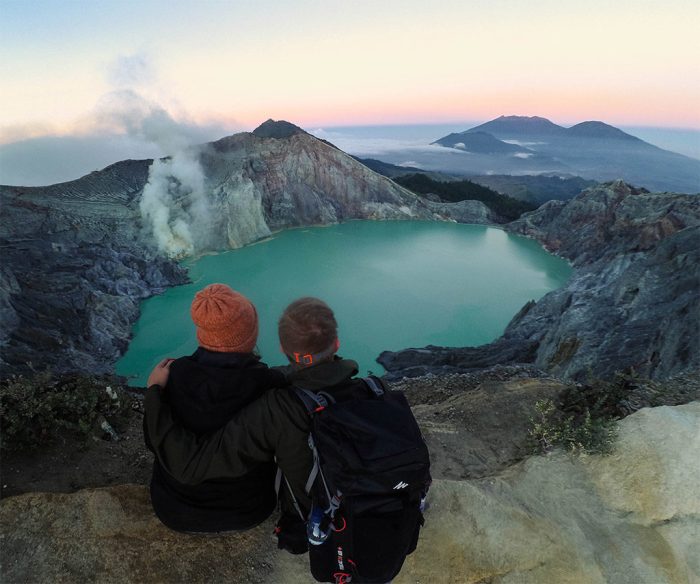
(226, 321)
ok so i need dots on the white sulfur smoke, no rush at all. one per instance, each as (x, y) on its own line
(174, 204)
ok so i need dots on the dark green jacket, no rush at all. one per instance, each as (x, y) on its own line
(274, 426)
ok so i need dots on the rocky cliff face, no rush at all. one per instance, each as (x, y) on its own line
(626, 518)
(260, 185)
(75, 266)
(78, 257)
(633, 301)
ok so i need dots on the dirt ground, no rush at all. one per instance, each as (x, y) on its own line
(76, 464)
(474, 425)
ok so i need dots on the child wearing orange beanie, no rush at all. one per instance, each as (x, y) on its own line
(205, 390)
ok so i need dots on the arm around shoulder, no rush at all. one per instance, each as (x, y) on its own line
(231, 451)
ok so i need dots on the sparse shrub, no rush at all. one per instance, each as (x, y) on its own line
(583, 417)
(543, 433)
(551, 428)
(38, 410)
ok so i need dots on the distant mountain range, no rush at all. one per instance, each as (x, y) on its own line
(594, 150)
(524, 126)
(536, 189)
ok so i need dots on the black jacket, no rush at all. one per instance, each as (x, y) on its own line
(276, 425)
(205, 390)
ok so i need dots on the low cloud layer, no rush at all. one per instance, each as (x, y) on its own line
(127, 122)
(47, 160)
(124, 125)
(366, 146)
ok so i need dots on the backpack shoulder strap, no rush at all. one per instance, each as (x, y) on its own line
(311, 400)
(314, 403)
(278, 488)
(375, 384)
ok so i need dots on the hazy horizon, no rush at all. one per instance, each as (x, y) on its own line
(154, 76)
(51, 159)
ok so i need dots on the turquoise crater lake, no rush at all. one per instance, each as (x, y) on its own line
(392, 285)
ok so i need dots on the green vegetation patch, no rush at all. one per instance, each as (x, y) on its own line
(550, 428)
(582, 418)
(465, 190)
(41, 409)
(536, 189)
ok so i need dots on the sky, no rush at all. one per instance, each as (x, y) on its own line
(83, 68)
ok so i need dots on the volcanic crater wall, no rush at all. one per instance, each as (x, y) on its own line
(632, 303)
(78, 257)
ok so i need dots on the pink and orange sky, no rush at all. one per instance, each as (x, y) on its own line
(233, 64)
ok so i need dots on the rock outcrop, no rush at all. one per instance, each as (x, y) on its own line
(633, 301)
(78, 257)
(75, 266)
(264, 184)
(630, 517)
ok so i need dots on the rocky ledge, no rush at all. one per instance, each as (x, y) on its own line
(632, 303)
(628, 517)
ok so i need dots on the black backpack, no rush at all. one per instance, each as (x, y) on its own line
(370, 476)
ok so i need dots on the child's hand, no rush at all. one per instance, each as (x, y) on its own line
(160, 373)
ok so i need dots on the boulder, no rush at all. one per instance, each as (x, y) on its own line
(631, 517)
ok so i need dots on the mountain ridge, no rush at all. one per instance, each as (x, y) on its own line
(277, 129)
(535, 125)
(531, 125)
(596, 129)
(481, 142)
(593, 150)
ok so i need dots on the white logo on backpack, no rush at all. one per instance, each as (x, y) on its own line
(401, 485)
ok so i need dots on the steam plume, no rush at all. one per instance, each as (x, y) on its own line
(174, 205)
